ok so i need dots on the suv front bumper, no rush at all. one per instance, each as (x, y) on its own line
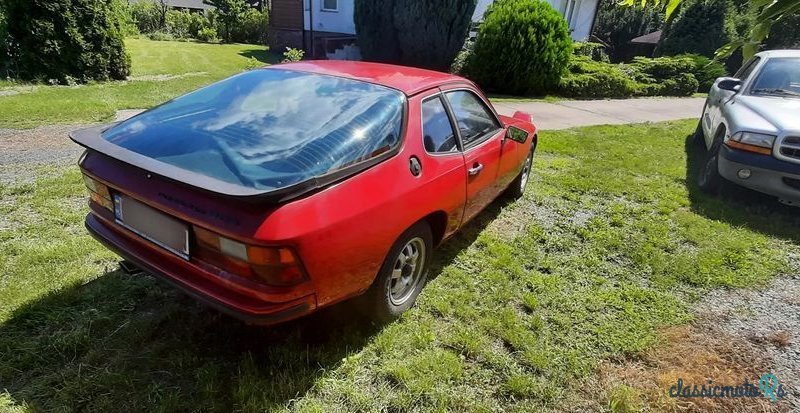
(767, 174)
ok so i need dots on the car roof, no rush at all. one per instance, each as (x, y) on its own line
(409, 80)
(779, 53)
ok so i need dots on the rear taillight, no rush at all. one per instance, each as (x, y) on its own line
(276, 266)
(98, 192)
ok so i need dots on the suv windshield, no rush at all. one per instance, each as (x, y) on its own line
(268, 129)
(780, 77)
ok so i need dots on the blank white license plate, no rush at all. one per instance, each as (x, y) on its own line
(153, 225)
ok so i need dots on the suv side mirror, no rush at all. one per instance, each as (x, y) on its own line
(730, 83)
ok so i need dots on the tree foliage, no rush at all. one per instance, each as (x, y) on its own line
(422, 33)
(701, 26)
(65, 40)
(523, 47)
(768, 13)
(616, 25)
(230, 13)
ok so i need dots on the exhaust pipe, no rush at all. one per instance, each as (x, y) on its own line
(129, 268)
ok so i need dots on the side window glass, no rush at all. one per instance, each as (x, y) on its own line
(437, 132)
(475, 121)
(745, 71)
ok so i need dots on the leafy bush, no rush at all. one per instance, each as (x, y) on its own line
(523, 47)
(57, 39)
(665, 76)
(184, 24)
(785, 33)
(208, 35)
(596, 51)
(705, 70)
(591, 79)
(423, 33)
(461, 58)
(148, 16)
(648, 70)
(292, 55)
(251, 27)
(701, 26)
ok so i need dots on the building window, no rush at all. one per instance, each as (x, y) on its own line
(330, 5)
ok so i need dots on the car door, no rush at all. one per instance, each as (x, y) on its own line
(481, 136)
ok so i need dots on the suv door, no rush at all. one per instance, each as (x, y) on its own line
(718, 97)
(481, 136)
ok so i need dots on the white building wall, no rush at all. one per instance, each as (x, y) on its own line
(579, 14)
(340, 21)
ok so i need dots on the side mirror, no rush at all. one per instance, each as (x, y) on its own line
(729, 83)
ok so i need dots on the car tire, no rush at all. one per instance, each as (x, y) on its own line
(400, 280)
(698, 135)
(517, 187)
(709, 180)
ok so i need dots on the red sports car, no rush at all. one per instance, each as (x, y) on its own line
(285, 189)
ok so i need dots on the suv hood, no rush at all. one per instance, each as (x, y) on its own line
(781, 112)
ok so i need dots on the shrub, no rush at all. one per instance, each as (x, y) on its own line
(664, 76)
(595, 51)
(523, 47)
(591, 79)
(423, 33)
(251, 27)
(227, 13)
(208, 35)
(184, 24)
(148, 16)
(701, 26)
(292, 55)
(705, 70)
(59, 38)
(461, 58)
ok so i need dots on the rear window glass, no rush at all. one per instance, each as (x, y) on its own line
(268, 128)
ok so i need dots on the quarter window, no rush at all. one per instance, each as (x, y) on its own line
(475, 121)
(437, 131)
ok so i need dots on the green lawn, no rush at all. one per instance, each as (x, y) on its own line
(609, 244)
(161, 71)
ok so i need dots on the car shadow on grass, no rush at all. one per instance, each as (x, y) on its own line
(737, 205)
(129, 343)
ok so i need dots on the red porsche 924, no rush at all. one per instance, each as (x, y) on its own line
(282, 190)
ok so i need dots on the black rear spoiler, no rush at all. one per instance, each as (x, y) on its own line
(92, 139)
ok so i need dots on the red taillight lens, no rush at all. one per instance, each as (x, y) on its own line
(98, 193)
(276, 266)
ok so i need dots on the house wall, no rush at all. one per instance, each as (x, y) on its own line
(340, 21)
(579, 14)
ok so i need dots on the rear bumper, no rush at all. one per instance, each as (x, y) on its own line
(768, 175)
(194, 280)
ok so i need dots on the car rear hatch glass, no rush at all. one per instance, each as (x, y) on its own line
(262, 131)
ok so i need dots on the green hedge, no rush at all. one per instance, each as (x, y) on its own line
(665, 76)
(700, 26)
(523, 47)
(705, 70)
(591, 79)
(65, 40)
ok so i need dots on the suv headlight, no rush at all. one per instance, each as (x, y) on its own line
(752, 142)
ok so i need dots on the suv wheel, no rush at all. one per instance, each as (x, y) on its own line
(709, 180)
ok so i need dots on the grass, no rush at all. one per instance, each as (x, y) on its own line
(611, 243)
(160, 71)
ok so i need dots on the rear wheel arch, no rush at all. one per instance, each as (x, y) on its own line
(437, 221)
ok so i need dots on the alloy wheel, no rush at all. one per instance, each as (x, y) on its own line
(407, 271)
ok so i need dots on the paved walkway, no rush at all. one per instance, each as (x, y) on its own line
(571, 113)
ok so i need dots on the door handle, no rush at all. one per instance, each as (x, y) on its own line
(476, 169)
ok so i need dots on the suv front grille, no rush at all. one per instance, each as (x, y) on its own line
(790, 147)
